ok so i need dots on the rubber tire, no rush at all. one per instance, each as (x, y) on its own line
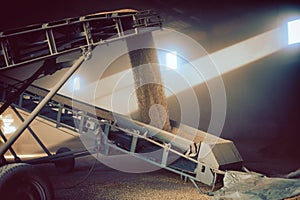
(23, 181)
(65, 165)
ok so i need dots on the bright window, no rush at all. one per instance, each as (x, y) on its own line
(294, 31)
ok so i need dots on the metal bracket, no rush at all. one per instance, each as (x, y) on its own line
(164, 160)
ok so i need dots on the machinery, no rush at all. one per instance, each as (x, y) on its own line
(43, 49)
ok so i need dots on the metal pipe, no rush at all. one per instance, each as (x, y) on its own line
(10, 149)
(39, 107)
(10, 99)
(32, 132)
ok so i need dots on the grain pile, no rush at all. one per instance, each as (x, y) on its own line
(152, 102)
(108, 184)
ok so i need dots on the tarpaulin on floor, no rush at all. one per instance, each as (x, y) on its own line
(254, 186)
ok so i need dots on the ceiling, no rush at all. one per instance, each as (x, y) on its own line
(16, 14)
(215, 24)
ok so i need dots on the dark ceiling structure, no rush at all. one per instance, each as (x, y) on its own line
(16, 14)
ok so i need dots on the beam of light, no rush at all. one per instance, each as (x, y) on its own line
(226, 60)
(210, 66)
(76, 83)
(294, 31)
(243, 53)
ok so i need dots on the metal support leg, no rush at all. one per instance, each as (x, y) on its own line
(133, 143)
(210, 193)
(39, 107)
(196, 186)
(21, 99)
(183, 177)
(165, 155)
(58, 117)
(105, 139)
(17, 159)
(10, 99)
(32, 133)
(81, 122)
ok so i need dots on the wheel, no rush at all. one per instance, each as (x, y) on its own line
(24, 181)
(65, 165)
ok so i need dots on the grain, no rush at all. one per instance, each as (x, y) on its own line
(152, 102)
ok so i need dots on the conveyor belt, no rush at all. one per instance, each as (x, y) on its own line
(130, 137)
(29, 53)
(42, 41)
(43, 49)
(127, 136)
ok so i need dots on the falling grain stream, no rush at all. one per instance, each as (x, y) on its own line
(152, 102)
